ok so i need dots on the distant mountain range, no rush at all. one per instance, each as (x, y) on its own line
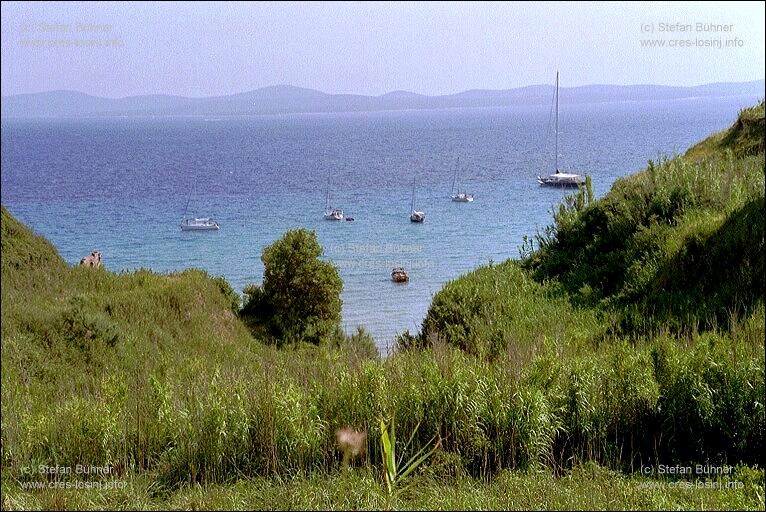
(282, 99)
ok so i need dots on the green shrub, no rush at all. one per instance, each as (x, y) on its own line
(300, 296)
(711, 401)
(88, 330)
(498, 309)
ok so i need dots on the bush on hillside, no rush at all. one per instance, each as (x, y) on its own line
(300, 296)
(500, 308)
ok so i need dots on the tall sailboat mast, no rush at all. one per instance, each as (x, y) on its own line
(454, 178)
(330, 212)
(557, 122)
(415, 216)
(559, 179)
(188, 199)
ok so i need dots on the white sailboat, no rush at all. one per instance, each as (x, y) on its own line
(457, 196)
(560, 179)
(329, 212)
(197, 223)
(415, 216)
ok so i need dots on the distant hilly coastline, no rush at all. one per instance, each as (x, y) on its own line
(285, 99)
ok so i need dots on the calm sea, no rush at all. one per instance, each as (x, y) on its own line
(122, 185)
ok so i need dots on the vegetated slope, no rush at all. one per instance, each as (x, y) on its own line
(27, 260)
(65, 328)
(714, 275)
(679, 244)
(499, 308)
(744, 137)
(674, 248)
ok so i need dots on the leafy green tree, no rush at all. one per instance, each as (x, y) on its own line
(300, 296)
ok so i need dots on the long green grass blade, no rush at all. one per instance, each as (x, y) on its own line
(409, 441)
(418, 459)
(393, 445)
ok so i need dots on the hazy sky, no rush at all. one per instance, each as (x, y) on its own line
(196, 49)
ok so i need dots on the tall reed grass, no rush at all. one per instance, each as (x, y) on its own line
(620, 405)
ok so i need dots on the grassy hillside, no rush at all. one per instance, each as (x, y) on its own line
(678, 245)
(743, 138)
(153, 377)
(101, 317)
(78, 341)
(669, 252)
(28, 262)
(500, 308)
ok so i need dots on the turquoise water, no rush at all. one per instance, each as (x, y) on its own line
(121, 186)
